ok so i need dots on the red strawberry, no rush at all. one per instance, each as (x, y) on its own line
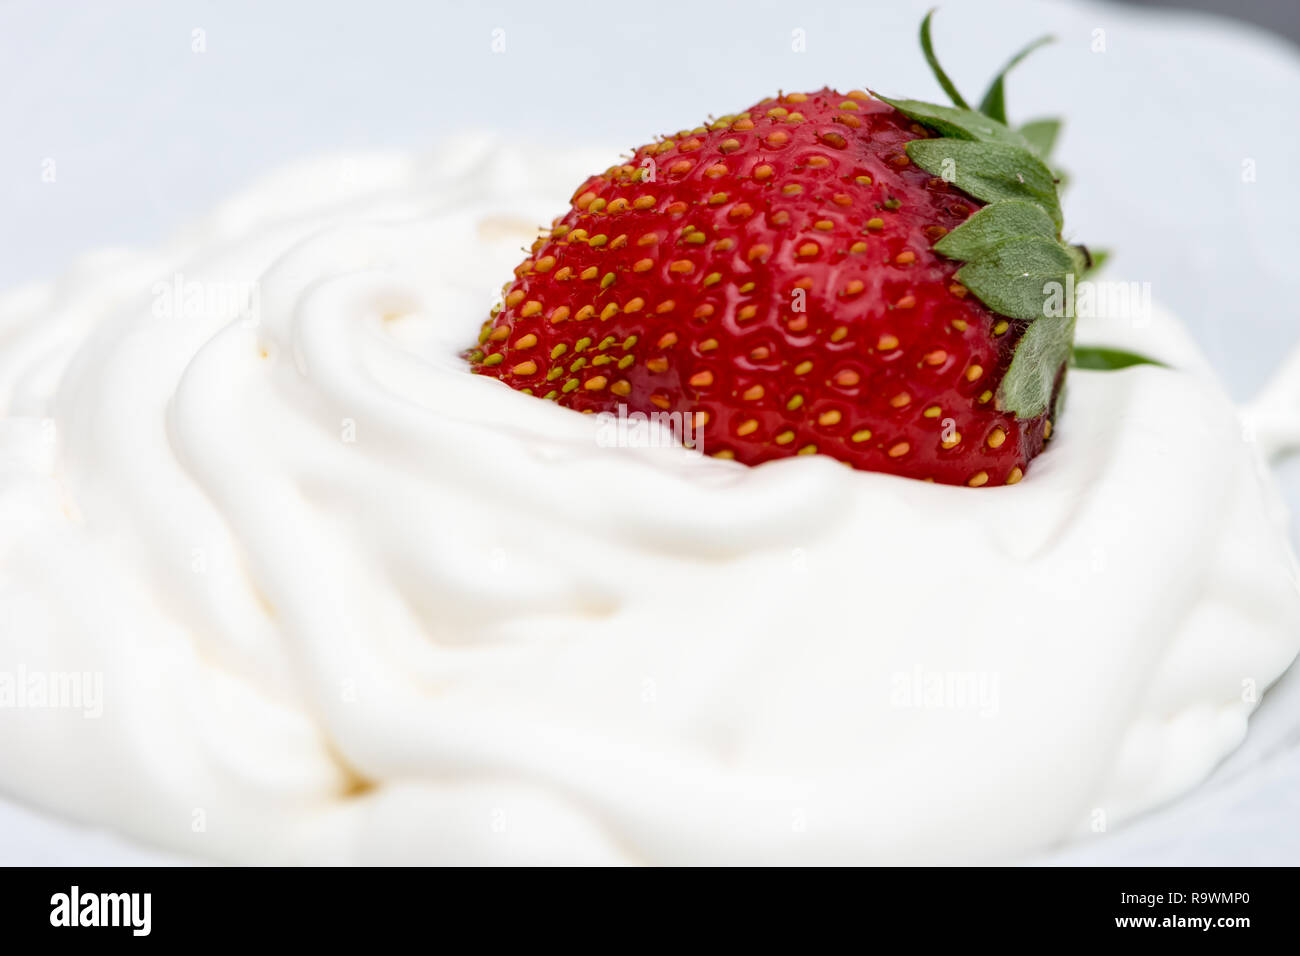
(773, 274)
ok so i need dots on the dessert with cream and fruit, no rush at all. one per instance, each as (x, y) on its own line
(354, 602)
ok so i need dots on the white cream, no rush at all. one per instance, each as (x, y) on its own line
(352, 604)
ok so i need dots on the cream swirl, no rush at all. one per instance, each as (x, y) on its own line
(353, 604)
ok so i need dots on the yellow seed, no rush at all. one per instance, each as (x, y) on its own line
(608, 312)
(825, 225)
(978, 479)
(803, 368)
(681, 266)
(952, 442)
(996, 438)
(984, 396)
(753, 393)
(934, 411)
(514, 298)
(937, 357)
(589, 273)
(862, 435)
(901, 400)
(807, 450)
(525, 368)
(621, 388)
(559, 350)
(887, 343)
(1001, 327)
(840, 333)
(530, 308)
(1016, 475)
(784, 438)
(831, 417)
(905, 258)
(493, 360)
(899, 450)
(747, 427)
(876, 223)
(526, 341)
(974, 372)
(794, 402)
(635, 304)
(545, 264)
(596, 383)
(701, 379)
(1047, 429)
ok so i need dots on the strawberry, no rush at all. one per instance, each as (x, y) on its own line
(822, 273)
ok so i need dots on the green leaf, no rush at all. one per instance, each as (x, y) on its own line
(1013, 277)
(989, 171)
(957, 123)
(1042, 350)
(1041, 136)
(995, 224)
(928, 49)
(994, 103)
(1099, 257)
(1100, 359)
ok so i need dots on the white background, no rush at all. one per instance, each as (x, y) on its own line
(145, 132)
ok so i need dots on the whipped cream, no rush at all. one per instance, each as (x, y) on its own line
(349, 603)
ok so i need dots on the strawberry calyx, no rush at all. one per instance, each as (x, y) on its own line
(1014, 258)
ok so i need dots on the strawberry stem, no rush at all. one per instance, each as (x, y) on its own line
(927, 47)
(994, 104)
